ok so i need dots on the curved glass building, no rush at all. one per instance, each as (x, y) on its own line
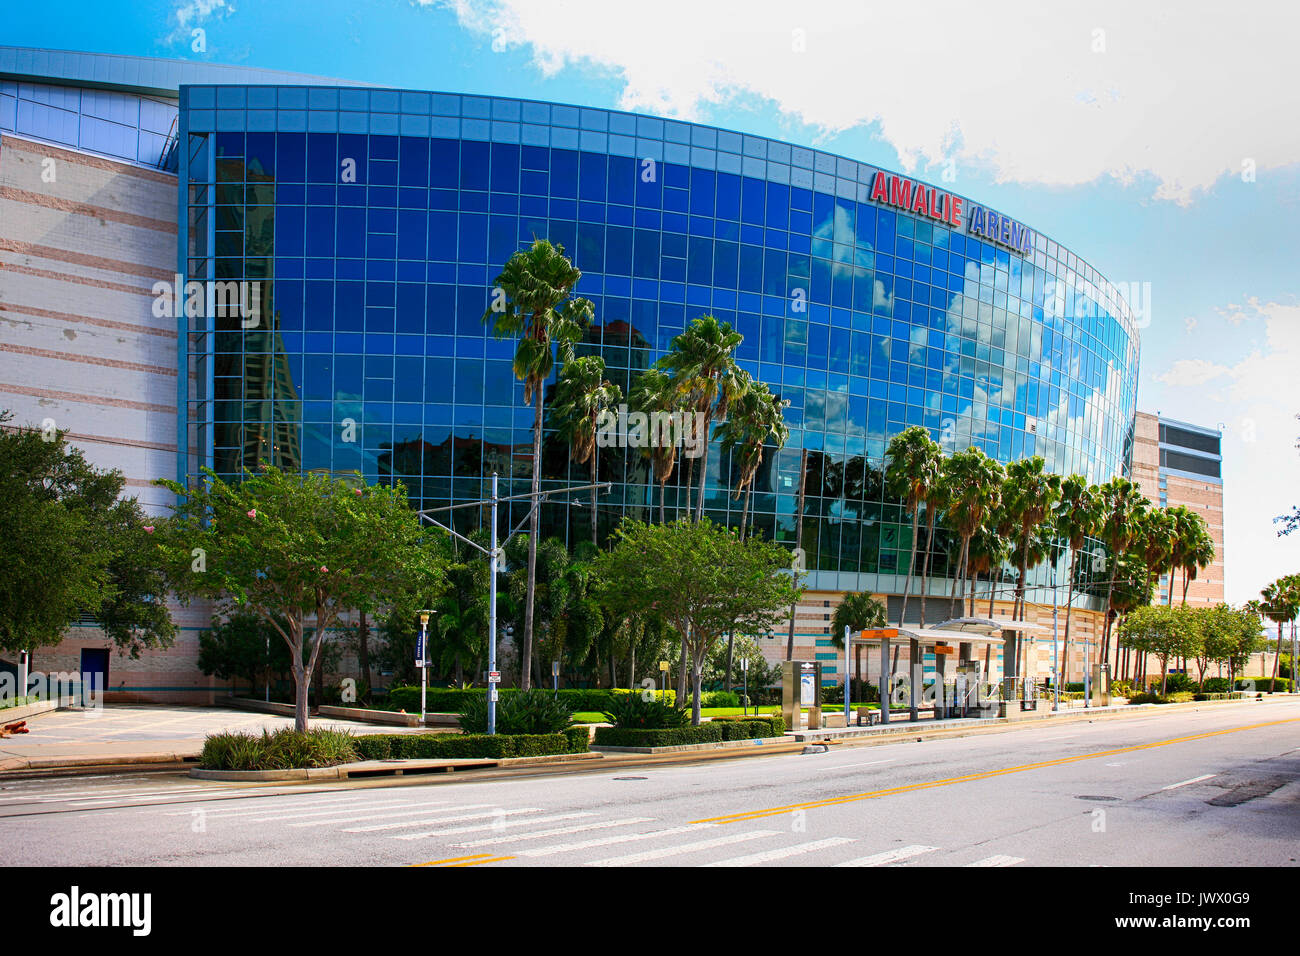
(368, 226)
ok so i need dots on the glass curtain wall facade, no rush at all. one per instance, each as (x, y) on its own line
(373, 222)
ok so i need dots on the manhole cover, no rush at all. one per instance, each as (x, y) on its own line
(1093, 797)
(631, 778)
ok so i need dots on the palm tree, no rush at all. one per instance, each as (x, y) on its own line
(582, 396)
(986, 551)
(1196, 550)
(703, 365)
(974, 485)
(655, 395)
(754, 418)
(1154, 542)
(534, 300)
(936, 500)
(1281, 602)
(1029, 494)
(913, 468)
(1078, 516)
(858, 612)
(1121, 504)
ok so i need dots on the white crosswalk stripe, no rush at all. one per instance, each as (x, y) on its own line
(429, 820)
(269, 817)
(554, 848)
(554, 832)
(239, 808)
(890, 857)
(399, 811)
(507, 824)
(425, 834)
(770, 856)
(998, 860)
(664, 853)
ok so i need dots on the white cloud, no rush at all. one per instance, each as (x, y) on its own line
(1188, 373)
(1038, 93)
(195, 13)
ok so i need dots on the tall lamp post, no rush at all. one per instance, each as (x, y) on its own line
(421, 659)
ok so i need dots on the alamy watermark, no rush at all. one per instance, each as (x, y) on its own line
(627, 429)
(198, 299)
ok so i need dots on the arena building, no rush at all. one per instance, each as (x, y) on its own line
(363, 228)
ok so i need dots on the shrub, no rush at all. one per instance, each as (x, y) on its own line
(285, 749)
(710, 732)
(1176, 683)
(720, 698)
(454, 700)
(534, 711)
(1181, 697)
(1121, 688)
(444, 746)
(1216, 685)
(1264, 685)
(634, 711)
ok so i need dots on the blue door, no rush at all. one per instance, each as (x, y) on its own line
(94, 670)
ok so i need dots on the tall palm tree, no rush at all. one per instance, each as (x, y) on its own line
(534, 300)
(1029, 495)
(1078, 516)
(1280, 603)
(1154, 542)
(974, 490)
(936, 500)
(703, 365)
(1196, 551)
(1121, 504)
(754, 419)
(913, 468)
(582, 396)
(655, 395)
(858, 611)
(986, 551)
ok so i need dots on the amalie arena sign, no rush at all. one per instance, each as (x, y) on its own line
(922, 200)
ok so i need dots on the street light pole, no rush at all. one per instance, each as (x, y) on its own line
(847, 676)
(422, 659)
(492, 615)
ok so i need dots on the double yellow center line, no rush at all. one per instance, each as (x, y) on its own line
(985, 775)
(475, 860)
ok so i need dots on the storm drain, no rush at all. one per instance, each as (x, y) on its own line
(1090, 796)
(1245, 792)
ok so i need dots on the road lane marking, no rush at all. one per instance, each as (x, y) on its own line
(491, 859)
(664, 852)
(756, 859)
(240, 810)
(1185, 783)
(455, 859)
(507, 824)
(998, 860)
(412, 810)
(556, 831)
(890, 857)
(469, 816)
(270, 816)
(609, 841)
(982, 775)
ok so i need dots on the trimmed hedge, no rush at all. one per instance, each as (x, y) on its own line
(452, 700)
(1264, 685)
(438, 746)
(284, 749)
(714, 731)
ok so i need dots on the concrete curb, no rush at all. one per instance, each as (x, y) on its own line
(695, 748)
(40, 764)
(365, 769)
(10, 714)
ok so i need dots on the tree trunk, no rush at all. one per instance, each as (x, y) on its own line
(663, 492)
(594, 479)
(744, 510)
(1069, 606)
(525, 669)
(697, 674)
(911, 566)
(690, 483)
(925, 565)
(994, 581)
(704, 463)
(460, 672)
(731, 647)
(681, 673)
(363, 652)
(631, 669)
(1277, 658)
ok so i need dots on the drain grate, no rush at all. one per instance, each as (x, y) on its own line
(631, 778)
(1091, 796)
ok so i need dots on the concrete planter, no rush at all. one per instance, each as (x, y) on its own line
(365, 715)
(690, 748)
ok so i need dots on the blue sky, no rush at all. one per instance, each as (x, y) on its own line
(1158, 143)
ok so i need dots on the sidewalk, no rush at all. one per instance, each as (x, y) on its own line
(138, 734)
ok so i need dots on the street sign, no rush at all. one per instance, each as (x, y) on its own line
(663, 665)
(419, 650)
(494, 677)
(945, 649)
(492, 692)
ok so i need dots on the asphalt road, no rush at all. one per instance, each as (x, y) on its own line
(1213, 787)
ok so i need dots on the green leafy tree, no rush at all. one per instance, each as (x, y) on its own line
(1280, 602)
(582, 396)
(244, 646)
(71, 547)
(703, 367)
(534, 302)
(912, 472)
(293, 547)
(655, 395)
(701, 579)
(1163, 631)
(858, 611)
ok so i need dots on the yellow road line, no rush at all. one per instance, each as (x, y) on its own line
(491, 859)
(453, 859)
(984, 775)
